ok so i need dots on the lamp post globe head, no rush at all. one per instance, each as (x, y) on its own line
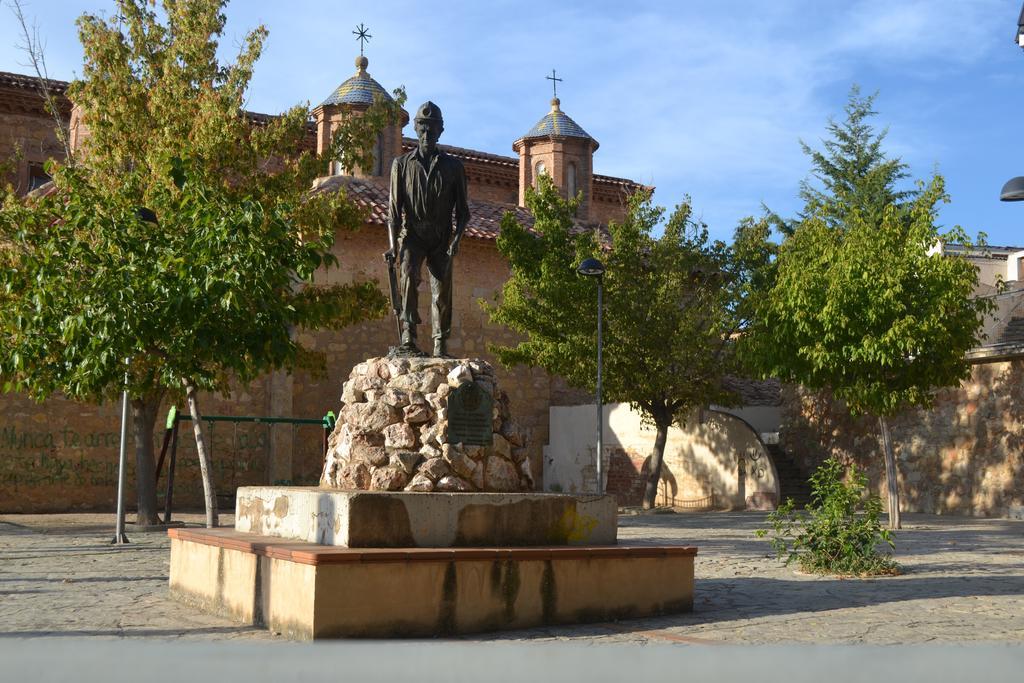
(1013, 190)
(591, 267)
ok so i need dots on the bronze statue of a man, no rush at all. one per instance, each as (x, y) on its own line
(428, 187)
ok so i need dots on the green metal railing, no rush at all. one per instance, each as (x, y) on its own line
(170, 440)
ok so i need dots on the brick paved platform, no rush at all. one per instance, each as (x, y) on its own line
(309, 591)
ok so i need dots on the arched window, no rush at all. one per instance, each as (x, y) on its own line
(570, 180)
(539, 170)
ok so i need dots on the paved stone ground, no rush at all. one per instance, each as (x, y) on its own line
(963, 582)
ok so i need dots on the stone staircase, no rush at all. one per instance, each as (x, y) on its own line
(792, 481)
(1013, 332)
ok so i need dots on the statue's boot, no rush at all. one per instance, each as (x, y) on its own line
(441, 349)
(408, 346)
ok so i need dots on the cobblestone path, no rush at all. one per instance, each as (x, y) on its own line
(963, 581)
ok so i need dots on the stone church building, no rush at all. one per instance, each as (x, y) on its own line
(61, 455)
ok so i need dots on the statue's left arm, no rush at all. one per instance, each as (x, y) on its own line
(461, 210)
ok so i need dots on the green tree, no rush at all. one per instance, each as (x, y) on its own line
(860, 303)
(207, 291)
(668, 308)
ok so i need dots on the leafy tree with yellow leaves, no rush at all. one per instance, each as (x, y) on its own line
(176, 249)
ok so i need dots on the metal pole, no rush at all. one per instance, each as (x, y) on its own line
(600, 406)
(119, 535)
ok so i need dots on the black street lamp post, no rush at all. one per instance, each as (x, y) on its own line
(594, 268)
(1013, 190)
(120, 538)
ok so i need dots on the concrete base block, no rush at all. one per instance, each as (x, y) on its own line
(305, 591)
(380, 519)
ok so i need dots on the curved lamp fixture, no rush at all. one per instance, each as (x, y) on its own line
(1013, 190)
(594, 268)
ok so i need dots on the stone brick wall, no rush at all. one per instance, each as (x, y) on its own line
(604, 209)
(627, 475)
(56, 456)
(60, 455)
(491, 192)
(557, 154)
(963, 456)
(32, 136)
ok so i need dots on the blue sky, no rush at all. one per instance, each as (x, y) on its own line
(703, 98)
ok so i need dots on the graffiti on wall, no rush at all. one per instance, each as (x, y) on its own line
(31, 458)
(41, 458)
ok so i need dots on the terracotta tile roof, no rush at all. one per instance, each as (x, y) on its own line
(754, 392)
(485, 217)
(612, 180)
(13, 80)
(408, 144)
(512, 163)
(371, 197)
(498, 161)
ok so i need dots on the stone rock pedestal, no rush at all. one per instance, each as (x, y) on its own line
(393, 431)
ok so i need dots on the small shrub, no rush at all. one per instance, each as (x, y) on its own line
(840, 531)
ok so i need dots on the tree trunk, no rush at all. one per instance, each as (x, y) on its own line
(891, 475)
(204, 465)
(144, 410)
(657, 457)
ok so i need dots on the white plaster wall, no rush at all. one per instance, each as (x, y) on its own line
(1013, 266)
(711, 456)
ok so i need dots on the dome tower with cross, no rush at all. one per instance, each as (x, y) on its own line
(559, 147)
(352, 98)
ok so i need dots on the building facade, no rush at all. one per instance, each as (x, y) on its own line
(61, 455)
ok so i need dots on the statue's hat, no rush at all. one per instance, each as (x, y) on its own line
(429, 111)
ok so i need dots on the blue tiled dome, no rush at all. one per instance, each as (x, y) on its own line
(360, 89)
(556, 122)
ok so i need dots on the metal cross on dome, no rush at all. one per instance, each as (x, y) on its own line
(362, 34)
(554, 83)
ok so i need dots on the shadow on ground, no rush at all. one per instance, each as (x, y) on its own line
(135, 633)
(734, 532)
